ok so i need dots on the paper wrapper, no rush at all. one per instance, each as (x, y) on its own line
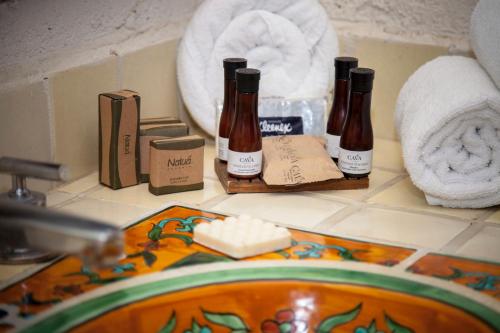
(297, 159)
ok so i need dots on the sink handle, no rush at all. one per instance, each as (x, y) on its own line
(20, 169)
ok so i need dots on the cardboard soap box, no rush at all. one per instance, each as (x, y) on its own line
(119, 154)
(150, 131)
(176, 165)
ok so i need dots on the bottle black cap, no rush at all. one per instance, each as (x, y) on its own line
(343, 65)
(362, 79)
(231, 65)
(247, 80)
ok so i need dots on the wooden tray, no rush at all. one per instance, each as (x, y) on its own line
(233, 185)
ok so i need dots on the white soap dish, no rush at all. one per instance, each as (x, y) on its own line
(242, 237)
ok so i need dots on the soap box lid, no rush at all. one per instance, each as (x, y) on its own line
(160, 121)
(121, 94)
(172, 130)
(185, 142)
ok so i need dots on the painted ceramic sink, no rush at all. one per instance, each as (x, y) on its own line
(275, 297)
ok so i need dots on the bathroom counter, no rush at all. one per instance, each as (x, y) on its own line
(392, 210)
(390, 214)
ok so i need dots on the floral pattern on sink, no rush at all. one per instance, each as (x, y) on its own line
(163, 241)
(288, 297)
(479, 275)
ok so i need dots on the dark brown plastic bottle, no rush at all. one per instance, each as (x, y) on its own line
(228, 108)
(340, 104)
(245, 140)
(356, 142)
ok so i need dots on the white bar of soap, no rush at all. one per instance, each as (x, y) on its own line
(242, 237)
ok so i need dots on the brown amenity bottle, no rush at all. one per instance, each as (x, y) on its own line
(339, 109)
(245, 139)
(226, 117)
(356, 142)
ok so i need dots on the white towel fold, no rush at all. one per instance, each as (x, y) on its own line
(292, 42)
(485, 36)
(448, 119)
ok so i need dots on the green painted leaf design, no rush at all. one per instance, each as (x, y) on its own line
(396, 327)
(232, 321)
(149, 258)
(154, 233)
(198, 258)
(186, 239)
(283, 253)
(170, 326)
(456, 274)
(195, 328)
(331, 322)
(373, 327)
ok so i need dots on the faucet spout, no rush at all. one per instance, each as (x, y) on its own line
(35, 228)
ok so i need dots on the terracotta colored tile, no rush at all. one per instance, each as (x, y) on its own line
(152, 73)
(484, 245)
(291, 209)
(482, 276)
(401, 227)
(75, 93)
(405, 194)
(25, 128)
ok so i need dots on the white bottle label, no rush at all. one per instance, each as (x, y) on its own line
(355, 162)
(333, 144)
(222, 147)
(244, 164)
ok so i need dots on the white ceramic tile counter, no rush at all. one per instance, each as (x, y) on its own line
(392, 210)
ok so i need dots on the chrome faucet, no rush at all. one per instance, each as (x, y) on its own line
(31, 233)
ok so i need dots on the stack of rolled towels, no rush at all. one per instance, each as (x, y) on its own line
(448, 119)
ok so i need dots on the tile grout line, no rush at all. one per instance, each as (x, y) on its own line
(337, 217)
(419, 212)
(348, 200)
(383, 187)
(419, 254)
(214, 201)
(459, 240)
(488, 213)
(491, 224)
(398, 171)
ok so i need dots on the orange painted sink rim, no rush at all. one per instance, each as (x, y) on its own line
(90, 305)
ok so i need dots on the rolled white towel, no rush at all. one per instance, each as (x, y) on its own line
(448, 119)
(485, 36)
(291, 41)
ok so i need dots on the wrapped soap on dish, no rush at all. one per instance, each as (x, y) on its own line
(296, 159)
(161, 128)
(176, 165)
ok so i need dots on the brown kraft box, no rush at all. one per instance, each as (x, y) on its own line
(119, 157)
(176, 165)
(150, 132)
(159, 121)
